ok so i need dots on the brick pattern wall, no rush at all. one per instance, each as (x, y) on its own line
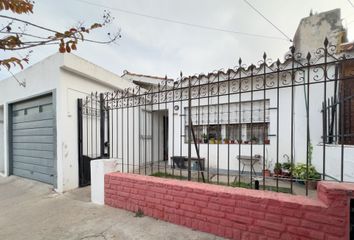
(235, 213)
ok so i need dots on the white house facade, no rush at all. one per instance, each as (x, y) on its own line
(152, 127)
(38, 118)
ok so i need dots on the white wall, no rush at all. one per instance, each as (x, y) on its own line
(334, 164)
(78, 78)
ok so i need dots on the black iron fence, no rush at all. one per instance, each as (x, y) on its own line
(268, 126)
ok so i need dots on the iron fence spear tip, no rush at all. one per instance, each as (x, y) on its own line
(292, 49)
(326, 42)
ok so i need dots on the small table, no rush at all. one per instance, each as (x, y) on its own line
(250, 161)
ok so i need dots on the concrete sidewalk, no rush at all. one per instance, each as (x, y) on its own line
(31, 210)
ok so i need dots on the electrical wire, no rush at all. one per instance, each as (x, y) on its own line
(350, 2)
(256, 10)
(181, 22)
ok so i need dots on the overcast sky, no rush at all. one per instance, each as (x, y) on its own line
(154, 47)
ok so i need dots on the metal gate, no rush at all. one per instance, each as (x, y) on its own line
(234, 127)
(92, 133)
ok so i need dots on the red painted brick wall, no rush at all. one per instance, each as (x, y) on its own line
(235, 212)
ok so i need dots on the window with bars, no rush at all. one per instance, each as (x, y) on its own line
(233, 113)
(257, 132)
(234, 132)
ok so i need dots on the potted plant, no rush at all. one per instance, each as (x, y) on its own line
(287, 169)
(254, 140)
(239, 141)
(232, 141)
(226, 141)
(205, 138)
(212, 140)
(266, 171)
(307, 174)
(277, 169)
(219, 141)
(266, 141)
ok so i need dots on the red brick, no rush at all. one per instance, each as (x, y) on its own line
(273, 217)
(190, 208)
(212, 213)
(239, 219)
(310, 224)
(214, 206)
(241, 211)
(170, 204)
(226, 209)
(188, 201)
(256, 229)
(272, 233)
(198, 197)
(228, 232)
(201, 204)
(292, 221)
(270, 225)
(236, 234)
(256, 214)
(336, 231)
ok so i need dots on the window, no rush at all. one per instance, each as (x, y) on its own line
(234, 122)
(214, 132)
(256, 132)
(198, 131)
(234, 132)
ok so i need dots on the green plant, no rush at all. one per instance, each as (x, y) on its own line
(167, 175)
(287, 166)
(304, 172)
(139, 213)
(277, 168)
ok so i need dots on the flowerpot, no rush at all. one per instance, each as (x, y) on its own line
(226, 141)
(266, 173)
(212, 141)
(205, 140)
(246, 142)
(267, 141)
(311, 184)
(219, 141)
(277, 172)
(232, 141)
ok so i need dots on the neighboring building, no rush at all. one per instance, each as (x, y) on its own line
(146, 81)
(38, 120)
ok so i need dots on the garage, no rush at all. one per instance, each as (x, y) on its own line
(32, 136)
